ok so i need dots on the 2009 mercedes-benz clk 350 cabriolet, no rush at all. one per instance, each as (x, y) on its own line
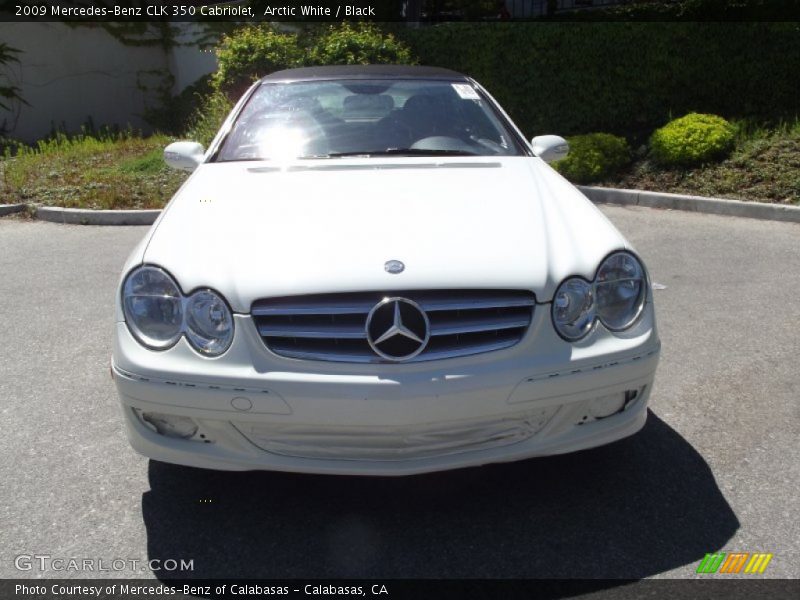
(370, 271)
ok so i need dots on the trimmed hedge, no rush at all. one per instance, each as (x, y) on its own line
(624, 78)
(692, 140)
(593, 157)
(690, 10)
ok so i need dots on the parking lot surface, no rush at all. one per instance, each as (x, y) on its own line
(716, 467)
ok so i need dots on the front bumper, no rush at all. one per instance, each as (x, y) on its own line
(256, 410)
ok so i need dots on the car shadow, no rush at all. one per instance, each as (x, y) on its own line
(631, 509)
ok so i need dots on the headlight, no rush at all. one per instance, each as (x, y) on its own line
(153, 307)
(620, 290)
(209, 324)
(158, 314)
(615, 297)
(574, 308)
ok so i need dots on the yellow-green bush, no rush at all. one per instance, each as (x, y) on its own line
(691, 140)
(252, 52)
(593, 156)
(357, 44)
(257, 50)
(208, 117)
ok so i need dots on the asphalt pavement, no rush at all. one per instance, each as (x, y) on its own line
(716, 467)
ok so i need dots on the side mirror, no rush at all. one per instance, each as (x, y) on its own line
(550, 148)
(184, 156)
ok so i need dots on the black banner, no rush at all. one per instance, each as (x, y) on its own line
(244, 11)
(203, 10)
(695, 589)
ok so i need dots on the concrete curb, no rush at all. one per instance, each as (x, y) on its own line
(85, 216)
(701, 204)
(603, 195)
(7, 209)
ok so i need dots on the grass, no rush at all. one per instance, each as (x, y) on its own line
(107, 171)
(123, 170)
(764, 167)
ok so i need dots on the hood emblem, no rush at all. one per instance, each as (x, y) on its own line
(397, 329)
(394, 266)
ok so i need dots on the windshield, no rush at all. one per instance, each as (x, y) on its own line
(328, 119)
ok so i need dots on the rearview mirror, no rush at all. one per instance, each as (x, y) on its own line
(550, 148)
(184, 156)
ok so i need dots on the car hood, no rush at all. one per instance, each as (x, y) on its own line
(255, 230)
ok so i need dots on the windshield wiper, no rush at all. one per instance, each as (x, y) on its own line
(253, 159)
(396, 152)
(368, 154)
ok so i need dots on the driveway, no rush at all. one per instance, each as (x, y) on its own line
(716, 467)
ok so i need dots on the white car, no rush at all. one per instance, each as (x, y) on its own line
(370, 271)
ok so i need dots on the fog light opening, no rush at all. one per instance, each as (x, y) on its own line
(172, 426)
(605, 406)
(631, 396)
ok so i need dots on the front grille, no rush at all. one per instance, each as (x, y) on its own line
(332, 327)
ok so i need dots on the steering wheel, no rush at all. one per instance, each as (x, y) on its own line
(392, 128)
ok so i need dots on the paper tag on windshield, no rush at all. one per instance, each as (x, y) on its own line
(466, 91)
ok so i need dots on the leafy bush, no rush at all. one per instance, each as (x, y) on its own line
(594, 156)
(257, 50)
(178, 112)
(252, 52)
(357, 44)
(764, 166)
(691, 140)
(209, 117)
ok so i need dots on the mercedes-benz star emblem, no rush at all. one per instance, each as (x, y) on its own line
(397, 329)
(394, 266)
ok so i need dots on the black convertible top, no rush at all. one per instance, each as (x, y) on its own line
(364, 72)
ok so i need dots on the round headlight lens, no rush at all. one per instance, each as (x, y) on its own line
(574, 308)
(620, 287)
(153, 307)
(209, 323)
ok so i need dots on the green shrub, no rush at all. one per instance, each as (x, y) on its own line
(177, 112)
(257, 50)
(594, 156)
(691, 140)
(208, 118)
(357, 44)
(252, 52)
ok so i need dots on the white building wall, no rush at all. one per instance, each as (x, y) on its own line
(188, 61)
(68, 75)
